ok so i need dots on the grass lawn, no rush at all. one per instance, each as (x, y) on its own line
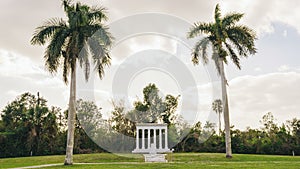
(177, 161)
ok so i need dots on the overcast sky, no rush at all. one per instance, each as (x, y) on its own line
(268, 81)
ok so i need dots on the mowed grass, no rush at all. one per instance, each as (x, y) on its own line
(176, 160)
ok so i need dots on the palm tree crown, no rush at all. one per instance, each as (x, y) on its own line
(82, 34)
(226, 38)
(217, 106)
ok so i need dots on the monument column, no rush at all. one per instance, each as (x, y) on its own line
(149, 138)
(143, 138)
(154, 137)
(160, 138)
(166, 138)
(137, 138)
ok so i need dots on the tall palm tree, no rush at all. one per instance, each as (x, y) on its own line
(227, 39)
(218, 108)
(83, 34)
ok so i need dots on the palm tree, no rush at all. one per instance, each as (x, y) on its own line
(218, 108)
(83, 34)
(226, 39)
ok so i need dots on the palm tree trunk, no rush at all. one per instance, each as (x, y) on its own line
(71, 118)
(226, 110)
(219, 123)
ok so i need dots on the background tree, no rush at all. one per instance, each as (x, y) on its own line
(152, 105)
(268, 121)
(294, 126)
(89, 119)
(120, 121)
(29, 127)
(71, 41)
(89, 116)
(217, 106)
(152, 109)
(190, 138)
(227, 39)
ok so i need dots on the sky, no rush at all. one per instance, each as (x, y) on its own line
(268, 82)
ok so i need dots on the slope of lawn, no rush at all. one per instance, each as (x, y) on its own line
(177, 161)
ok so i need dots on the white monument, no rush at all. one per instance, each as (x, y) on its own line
(152, 141)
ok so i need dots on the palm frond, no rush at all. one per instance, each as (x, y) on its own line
(217, 14)
(68, 8)
(66, 4)
(105, 62)
(243, 38)
(231, 19)
(80, 40)
(66, 67)
(200, 49)
(84, 52)
(99, 40)
(200, 28)
(78, 7)
(101, 33)
(99, 54)
(240, 48)
(83, 59)
(47, 30)
(54, 49)
(234, 57)
(97, 14)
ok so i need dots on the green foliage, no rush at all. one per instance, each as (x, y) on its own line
(25, 122)
(120, 122)
(29, 127)
(89, 119)
(270, 139)
(89, 116)
(154, 108)
(195, 137)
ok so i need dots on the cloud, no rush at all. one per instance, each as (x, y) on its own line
(253, 96)
(257, 69)
(21, 19)
(284, 68)
(19, 74)
(288, 68)
(262, 14)
(285, 33)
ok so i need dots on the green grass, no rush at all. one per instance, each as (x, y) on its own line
(177, 161)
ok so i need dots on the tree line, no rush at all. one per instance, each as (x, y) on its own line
(272, 139)
(28, 126)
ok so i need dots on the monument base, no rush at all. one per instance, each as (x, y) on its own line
(155, 158)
